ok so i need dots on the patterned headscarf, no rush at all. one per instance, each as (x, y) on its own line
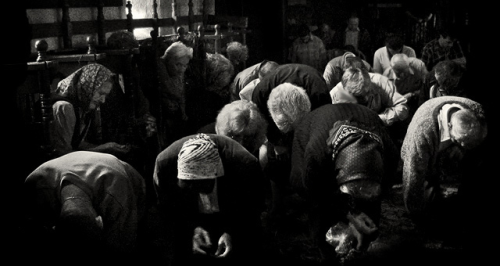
(356, 152)
(79, 87)
(199, 159)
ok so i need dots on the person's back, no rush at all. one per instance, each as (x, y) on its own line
(88, 185)
(336, 67)
(338, 149)
(434, 152)
(242, 79)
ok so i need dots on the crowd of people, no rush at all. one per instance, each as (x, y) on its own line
(338, 128)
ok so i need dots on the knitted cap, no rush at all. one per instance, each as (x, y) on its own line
(199, 159)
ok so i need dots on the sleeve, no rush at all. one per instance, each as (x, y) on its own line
(411, 52)
(323, 58)
(426, 57)
(122, 209)
(243, 187)
(368, 66)
(396, 104)
(331, 76)
(420, 68)
(339, 95)
(63, 126)
(377, 67)
(246, 92)
(416, 155)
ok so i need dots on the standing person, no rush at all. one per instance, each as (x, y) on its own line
(171, 69)
(445, 47)
(308, 49)
(211, 194)
(393, 45)
(356, 36)
(86, 206)
(439, 159)
(326, 34)
(76, 124)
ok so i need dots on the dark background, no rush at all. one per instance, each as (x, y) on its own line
(267, 21)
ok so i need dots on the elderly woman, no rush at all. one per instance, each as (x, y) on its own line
(76, 124)
(85, 206)
(237, 53)
(211, 195)
(342, 160)
(242, 121)
(207, 98)
(172, 66)
(299, 89)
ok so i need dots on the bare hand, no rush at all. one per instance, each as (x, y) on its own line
(201, 241)
(224, 247)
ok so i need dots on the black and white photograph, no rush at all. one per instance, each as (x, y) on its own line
(249, 132)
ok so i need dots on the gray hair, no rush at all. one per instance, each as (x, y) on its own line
(178, 49)
(287, 103)
(242, 121)
(400, 61)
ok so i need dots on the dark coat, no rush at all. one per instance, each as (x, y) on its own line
(333, 145)
(300, 75)
(313, 170)
(240, 195)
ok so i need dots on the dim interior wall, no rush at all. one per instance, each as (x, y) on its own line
(140, 10)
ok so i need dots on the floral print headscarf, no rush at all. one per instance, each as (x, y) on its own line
(79, 87)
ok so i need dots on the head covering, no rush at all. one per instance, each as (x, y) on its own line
(356, 152)
(79, 87)
(199, 159)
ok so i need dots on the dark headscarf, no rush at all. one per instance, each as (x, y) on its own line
(79, 87)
